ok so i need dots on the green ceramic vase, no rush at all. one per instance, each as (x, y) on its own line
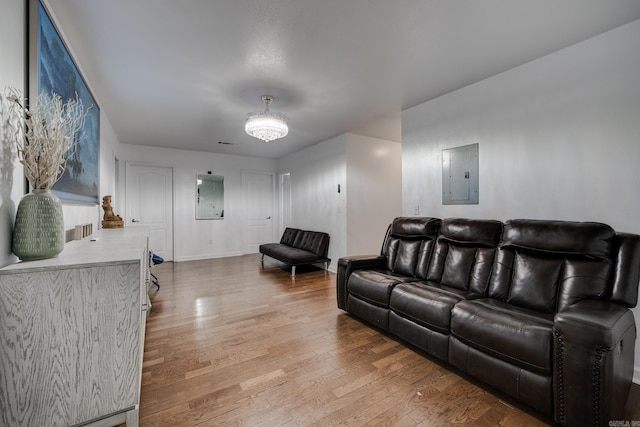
(39, 227)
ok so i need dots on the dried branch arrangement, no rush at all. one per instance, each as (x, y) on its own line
(45, 133)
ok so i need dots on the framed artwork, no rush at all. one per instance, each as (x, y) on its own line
(52, 69)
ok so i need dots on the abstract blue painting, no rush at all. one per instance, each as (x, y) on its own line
(57, 72)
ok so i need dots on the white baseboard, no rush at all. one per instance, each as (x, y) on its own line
(332, 267)
(207, 256)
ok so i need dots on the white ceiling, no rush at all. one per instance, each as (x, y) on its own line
(184, 73)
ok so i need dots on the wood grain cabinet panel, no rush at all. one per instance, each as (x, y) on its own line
(72, 333)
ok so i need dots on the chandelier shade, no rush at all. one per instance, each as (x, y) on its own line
(266, 125)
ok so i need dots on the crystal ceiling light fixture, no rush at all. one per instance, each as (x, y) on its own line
(266, 125)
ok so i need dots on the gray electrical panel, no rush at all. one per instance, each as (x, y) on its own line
(460, 175)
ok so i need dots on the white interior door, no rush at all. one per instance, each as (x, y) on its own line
(258, 195)
(150, 202)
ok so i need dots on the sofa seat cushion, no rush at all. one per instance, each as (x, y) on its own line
(287, 254)
(516, 335)
(428, 304)
(374, 286)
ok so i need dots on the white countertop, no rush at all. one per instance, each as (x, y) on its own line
(104, 246)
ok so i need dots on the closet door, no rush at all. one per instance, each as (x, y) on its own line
(258, 196)
(150, 202)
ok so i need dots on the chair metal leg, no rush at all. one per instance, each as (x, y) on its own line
(155, 280)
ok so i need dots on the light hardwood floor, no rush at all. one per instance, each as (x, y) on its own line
(232, 342)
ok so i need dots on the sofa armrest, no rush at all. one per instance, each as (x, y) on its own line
(593, 362)
(347, 265)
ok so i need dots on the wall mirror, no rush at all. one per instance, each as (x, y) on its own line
(209, 196)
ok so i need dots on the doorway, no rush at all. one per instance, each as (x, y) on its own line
(149, 196)
(285, 201)
(258, 195)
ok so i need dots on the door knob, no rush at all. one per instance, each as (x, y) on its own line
(134, 220)
(268, 217)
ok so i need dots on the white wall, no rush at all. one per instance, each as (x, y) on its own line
(374, 181)
(316, 204)
(368, 171)
(192, 237)
(201, 239)
(109, 150)
(12, 48)
(75, 214)
(559, 138)
(12, 188)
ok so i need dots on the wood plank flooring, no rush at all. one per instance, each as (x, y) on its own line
(232, 342)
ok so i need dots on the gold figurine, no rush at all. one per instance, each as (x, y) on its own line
(110, 220)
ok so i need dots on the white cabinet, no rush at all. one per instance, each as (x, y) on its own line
(72, 333)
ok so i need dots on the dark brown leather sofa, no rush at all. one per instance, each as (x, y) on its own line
(537, 309)
(299, 247)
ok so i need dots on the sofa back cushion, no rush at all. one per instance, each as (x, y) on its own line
(549, 265)
(464, 253)
(312, 241)
(409, 244)
(289, 236)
